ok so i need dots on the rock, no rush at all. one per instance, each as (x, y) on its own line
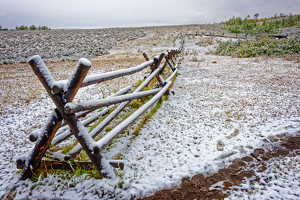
(220, 145)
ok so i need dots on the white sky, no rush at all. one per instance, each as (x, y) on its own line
(110, 13)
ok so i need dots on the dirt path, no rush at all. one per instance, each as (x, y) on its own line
(200, 186)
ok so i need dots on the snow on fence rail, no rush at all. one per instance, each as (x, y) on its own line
(218, 34)
(63, 92)
(237, 36)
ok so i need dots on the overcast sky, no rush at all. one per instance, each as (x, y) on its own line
(111, 13)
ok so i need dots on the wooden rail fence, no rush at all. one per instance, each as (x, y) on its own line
(64, 121)
(237, 36)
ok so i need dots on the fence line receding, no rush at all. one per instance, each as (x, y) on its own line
(64, 121)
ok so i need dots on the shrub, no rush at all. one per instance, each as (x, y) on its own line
(43, 28)
(252, 48)
(21, 28)
(3, 29)
(252, 26)
(32, 28)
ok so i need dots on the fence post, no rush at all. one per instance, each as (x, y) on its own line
(62, 94)
(168, 61)
(156, 65)
(54, 122)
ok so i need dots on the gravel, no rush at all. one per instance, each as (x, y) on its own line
(60, 45)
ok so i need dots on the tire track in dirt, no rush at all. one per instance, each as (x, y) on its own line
(199, 186)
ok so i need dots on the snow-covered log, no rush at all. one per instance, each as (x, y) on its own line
(76, 150)
(115, 74)
(122, 126)
(62, 94)
(157, 61)
(93, 104)
(54, 122)
(65, 133)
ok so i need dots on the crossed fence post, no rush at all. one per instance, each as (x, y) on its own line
(62, 95)
(156, 64)
(65, 95)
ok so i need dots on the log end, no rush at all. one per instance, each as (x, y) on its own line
(96, 150)
(69, 107)
(85, 62)
(34, 135)
(57, 89)
(33, 138)
(34, 59)
(20, 162)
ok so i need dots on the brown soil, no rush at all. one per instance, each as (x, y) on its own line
(198, 186)
(19, 82)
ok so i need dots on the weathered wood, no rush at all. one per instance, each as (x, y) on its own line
(56, 164)
(76, 150)
(77, 76)
(75, 125)
(62, 94)
(58, 87)
(146, 56)
(172, 75)
(54, 122)
(123, 125)
(43, 74)
(171, 53)
(167, 62)
(115, 74)
(160, 58)
(81, 115)
(88, 105)
(85, 141)
(122, 91)
(279, 36)
(44, 140)
(156, 65)
(66, 132)
(170, 64)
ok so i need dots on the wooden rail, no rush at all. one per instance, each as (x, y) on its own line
(216, 34)
(63, 92)
(237, 36)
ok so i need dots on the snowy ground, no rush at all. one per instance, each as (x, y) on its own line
(222, 108)
(281, 180)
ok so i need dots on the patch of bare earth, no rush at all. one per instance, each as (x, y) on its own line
(19, 86)
(200, 186)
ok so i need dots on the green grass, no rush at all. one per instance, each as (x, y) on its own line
(76, 171)
(148, 116)
(194, 59)
(118, 156)
(253, 48)
(262, 26)
(67, 148)
(151, 113)
(94, 125)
